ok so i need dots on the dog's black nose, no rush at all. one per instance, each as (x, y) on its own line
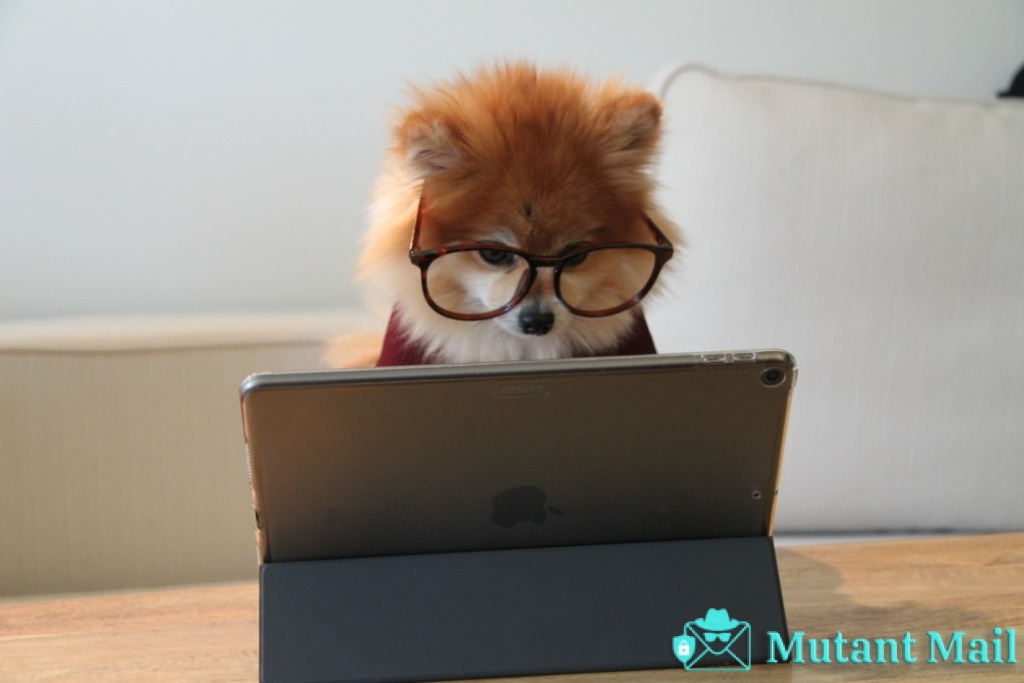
(534, 321)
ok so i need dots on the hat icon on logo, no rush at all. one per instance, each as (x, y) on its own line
(717, 620)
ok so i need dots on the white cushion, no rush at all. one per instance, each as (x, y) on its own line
(881, 240)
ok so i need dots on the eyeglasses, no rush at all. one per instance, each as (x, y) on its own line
(712, 637)
(481, 280)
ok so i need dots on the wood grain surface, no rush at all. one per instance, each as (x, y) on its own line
(864, 590)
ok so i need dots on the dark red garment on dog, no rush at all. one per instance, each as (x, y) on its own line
(398, 349)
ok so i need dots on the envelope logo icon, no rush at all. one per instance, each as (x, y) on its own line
(717, 641)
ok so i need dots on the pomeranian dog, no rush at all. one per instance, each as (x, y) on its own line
(514, 219)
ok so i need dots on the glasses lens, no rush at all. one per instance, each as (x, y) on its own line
(603, 279)
(477, 281)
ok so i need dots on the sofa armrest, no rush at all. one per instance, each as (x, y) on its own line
(121, 444)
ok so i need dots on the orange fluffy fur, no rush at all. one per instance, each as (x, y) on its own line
(537, 159)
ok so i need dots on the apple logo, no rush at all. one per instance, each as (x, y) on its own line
(521, 504)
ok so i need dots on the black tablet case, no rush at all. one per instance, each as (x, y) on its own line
(509, 612)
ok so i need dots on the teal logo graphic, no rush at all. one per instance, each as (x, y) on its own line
(683, 647)
(717, 641)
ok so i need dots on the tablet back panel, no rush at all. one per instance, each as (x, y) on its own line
(447, 458)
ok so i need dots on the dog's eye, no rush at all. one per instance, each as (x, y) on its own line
(577, 259)
(497, 257)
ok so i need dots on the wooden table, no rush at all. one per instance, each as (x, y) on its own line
(870, 590)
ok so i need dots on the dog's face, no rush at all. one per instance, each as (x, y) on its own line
(524, 166)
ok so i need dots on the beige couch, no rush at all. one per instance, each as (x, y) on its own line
(880, 239)
(121, 454)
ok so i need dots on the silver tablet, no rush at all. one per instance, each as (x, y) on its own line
(424, 459)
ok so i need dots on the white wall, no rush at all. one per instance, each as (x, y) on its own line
(207, 155)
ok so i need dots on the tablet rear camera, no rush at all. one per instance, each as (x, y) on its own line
(773, 377)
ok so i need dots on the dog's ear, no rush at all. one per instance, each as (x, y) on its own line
(633, 121)
(431, 146)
